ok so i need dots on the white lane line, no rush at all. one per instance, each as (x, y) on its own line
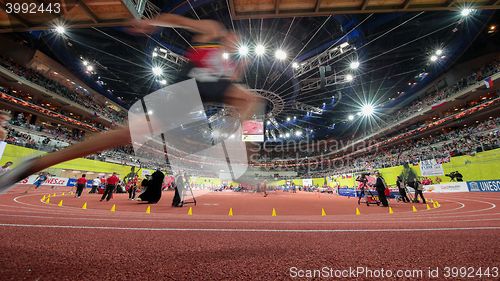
(251, 229)
(172, 221)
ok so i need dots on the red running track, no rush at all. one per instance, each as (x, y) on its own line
(46, 242)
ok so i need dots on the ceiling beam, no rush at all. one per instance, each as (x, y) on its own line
(20, 19)
(318, 4)
(365, 4)
(88, 24)
(451, 3)
(277, 6)
(406, 4)
(89, 12)
(285, 14)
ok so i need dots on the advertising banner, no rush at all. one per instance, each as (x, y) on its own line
(484, 186)
(431, 168)
(307, 182)
(447, 187)
(52, 181)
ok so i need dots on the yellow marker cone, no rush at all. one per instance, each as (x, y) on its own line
(148, 210)
(230, 212)
(62, 194)
(413, 209)
(358, 212)
(84, 206)
(437, 204)
(43, 198)
(323, 213)
(190, 211)
(427, 206)
(391, 211)
(60, 204)
(273, 213)
(48, 200)
(54, 194)
(113, 209)
(432, 201)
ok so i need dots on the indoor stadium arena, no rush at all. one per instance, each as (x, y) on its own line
(249, 140)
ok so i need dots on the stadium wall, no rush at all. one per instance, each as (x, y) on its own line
(17, 153)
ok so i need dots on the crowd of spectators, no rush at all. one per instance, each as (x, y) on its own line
(435, 97)
(81, 97)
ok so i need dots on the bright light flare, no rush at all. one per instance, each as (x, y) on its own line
(260, 50)
(350, 117)
(367, 110)
(295, 65)
(60, 29)
(243, 50)
(466, 12)
(434, 58)
(280, 54)
(225, 56)
(354, 65)
(157, 71)
(349, 77)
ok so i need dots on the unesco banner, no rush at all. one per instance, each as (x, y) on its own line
(484, 186)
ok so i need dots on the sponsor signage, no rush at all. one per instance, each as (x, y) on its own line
(431, 168)
(484, 186)
(447, 187)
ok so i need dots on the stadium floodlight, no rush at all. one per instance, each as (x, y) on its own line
(287, 135)
(60, 29)
(288, 119)
(85, 63)
(90, 68)
(298, 133)
(367, 110)
(349, 77)
(157, 71)
(243, 50)
(155, 54)
(434, 58)
(260, 50)
(350, 117)
(268, 122)
(280, 54)
(354, 65)
(295, 65)
(163, 82)
(225, 56)
(439, 52)
(466, 12)
(294, 117)
(281, 135)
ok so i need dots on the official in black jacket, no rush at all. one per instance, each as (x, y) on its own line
(380, 187)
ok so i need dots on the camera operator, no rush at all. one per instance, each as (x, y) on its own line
(402, 190)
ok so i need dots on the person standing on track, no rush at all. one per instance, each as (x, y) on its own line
(81, 183)
(419, 190)
(111, 183)
(402, 190)
(95, 184)
(380, 186)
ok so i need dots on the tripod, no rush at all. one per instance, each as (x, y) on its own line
(187, 186)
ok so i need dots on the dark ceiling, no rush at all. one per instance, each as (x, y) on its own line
(393, 50)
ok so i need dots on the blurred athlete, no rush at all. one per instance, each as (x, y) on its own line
(38, 181)
(206, 65)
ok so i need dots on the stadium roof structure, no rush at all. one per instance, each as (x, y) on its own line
(339, 56)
